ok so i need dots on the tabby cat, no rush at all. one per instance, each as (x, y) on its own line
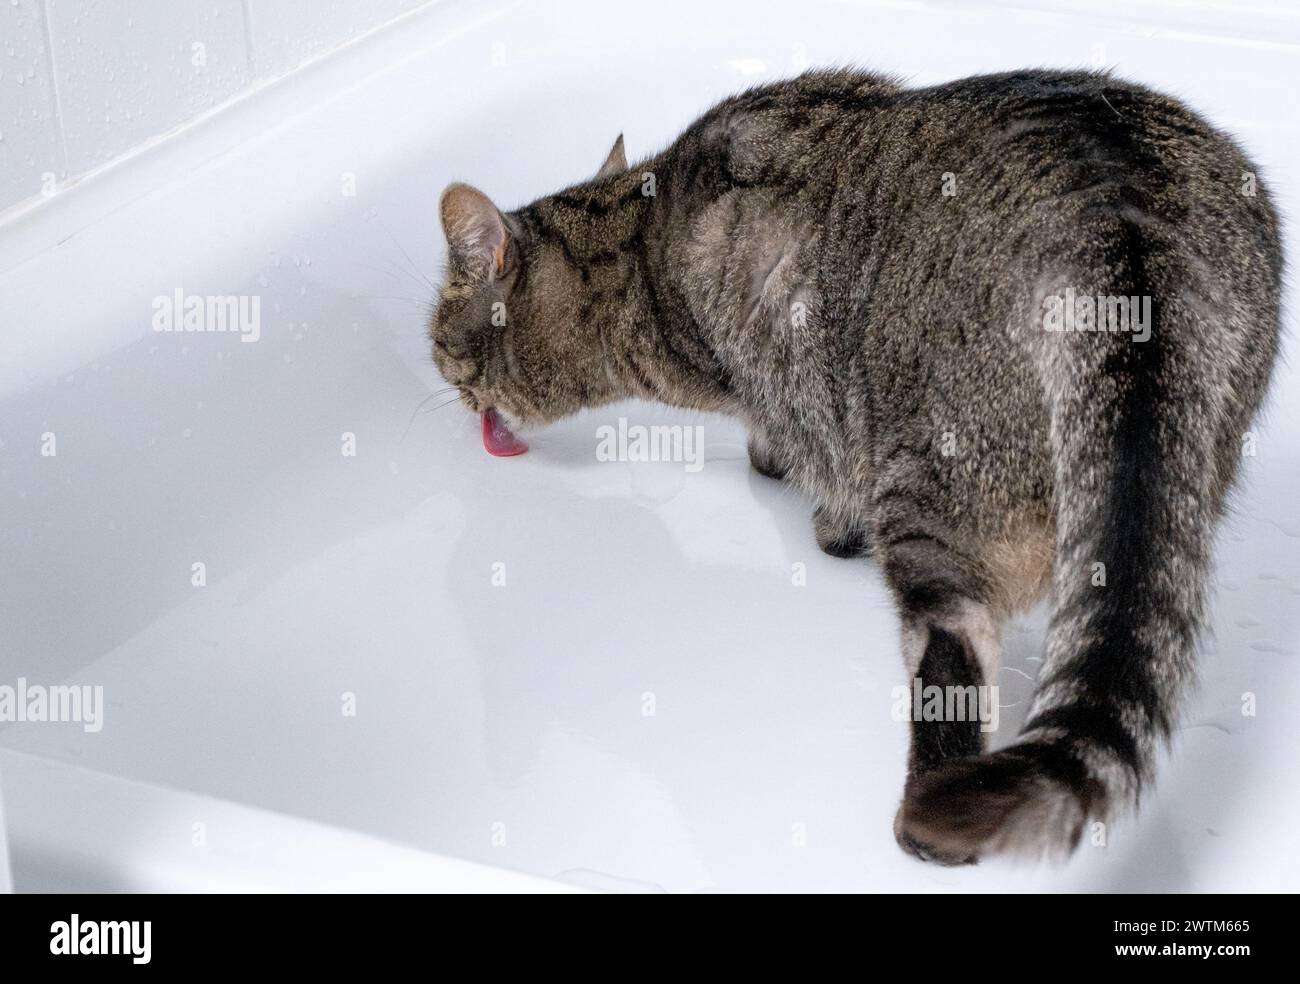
(1008, 333)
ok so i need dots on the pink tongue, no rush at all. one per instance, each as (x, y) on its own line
(497, 438)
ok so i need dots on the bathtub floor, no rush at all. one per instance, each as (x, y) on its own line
(647, 700)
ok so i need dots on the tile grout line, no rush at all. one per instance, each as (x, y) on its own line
(48, 32)
(248, 40)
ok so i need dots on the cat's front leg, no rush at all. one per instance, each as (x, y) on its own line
(763, 458)
(841, 533)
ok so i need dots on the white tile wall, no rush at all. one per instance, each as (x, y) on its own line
(29, 132)
(84, 81)
(286, 33)
(128, 70)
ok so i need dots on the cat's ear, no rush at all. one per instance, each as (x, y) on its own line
(475, 229)
(616, 162)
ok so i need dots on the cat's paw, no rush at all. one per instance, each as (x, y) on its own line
(763, 461)
(926, 852)
(839, 537)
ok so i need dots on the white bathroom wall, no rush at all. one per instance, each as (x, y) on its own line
(83, 82)
(127, 70)
(30, 141)
(286, 33)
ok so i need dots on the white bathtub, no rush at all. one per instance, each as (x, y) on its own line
(648, 701)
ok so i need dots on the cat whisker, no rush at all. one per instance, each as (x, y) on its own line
(433, 396)
(419, 409)
(402, 275)
(455, 399)
(420, 277)
(421, 301)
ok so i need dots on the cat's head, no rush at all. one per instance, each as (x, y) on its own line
(506, 328)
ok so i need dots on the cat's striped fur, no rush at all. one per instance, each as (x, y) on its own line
(859, 271)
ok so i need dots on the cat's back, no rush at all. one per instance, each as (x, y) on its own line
(1007, 141)
(1036, 148)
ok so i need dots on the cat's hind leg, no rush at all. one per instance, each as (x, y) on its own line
(951, 645)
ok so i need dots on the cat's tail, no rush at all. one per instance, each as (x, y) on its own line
(1146, 435)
